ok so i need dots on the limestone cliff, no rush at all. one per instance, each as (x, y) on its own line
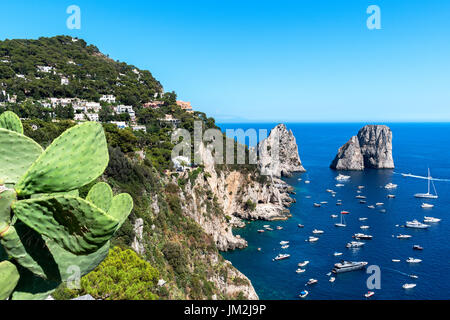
(278, 154)
(371, 148)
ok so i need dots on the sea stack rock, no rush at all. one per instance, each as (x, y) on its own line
(371, 148)
(278, 154)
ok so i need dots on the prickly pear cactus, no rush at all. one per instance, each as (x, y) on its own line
(47, 232)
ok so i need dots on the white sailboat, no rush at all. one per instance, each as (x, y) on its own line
(342, 223)
(430, 179)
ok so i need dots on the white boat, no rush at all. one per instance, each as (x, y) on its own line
(279, 228)
(312, 239)
(371, 207)
(427, 206)
(413, 260)
(431, 219)
(284, 243)
(390, 185)
(312, 281)
(364, 227)
(301, 226)
(362, 219)
(266, 226)
(307, 182)
(395, 260)
(416, 225)
(303, 294)
(303, 264)
(315, 231)
(339, 185)
(317, 205)
(355, 244)
(369, 294)
(430, 179)
(342, 224)
(330, 191)
(362, 236)
(379, 204)
(285, 247)
(409, 285)
(337, 254)
(361, 187)
(404, 236)
(261, 231)
(334, 216)
(391, 196)
(339, 203)
(282, 256)
(360, 197)
(300, 270)
(342, 177)
(332, 279)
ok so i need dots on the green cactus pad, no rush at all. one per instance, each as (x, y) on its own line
(77, 157)
(31, 287)
(6, 199)
(121, 207)
(73, 223)
(9, 277)
(101, 195)
(10, 121)
(73, 193)
(17, 154)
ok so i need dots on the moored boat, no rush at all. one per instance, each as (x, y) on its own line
(404, 236)
(355, 244)
(369, 294)
(427, 205)
(303, 264)
(315, 231)
(347, 266)
(362, 236)
(431, 219)
(413, 260)
(416, 225)
(299, 270)
(409, 285)
(303, 294)
(282, 256)
(312, 281)
(417, 247)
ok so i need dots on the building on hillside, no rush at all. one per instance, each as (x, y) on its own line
(139, 128)
(93, 117)
(109, 98)
(64, 81)
(170, 119)
(186, 106)
(79, 117)
(45, 69)
(153, 104)
(92, 105)
(120, 124)
(126, 109)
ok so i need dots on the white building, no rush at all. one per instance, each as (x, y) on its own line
(93, 117)
(126, 109)
(108, 98)
(92, 106)
(64, 81)
(45, 69)
(120, 124)
(79, 117)
(139, 128)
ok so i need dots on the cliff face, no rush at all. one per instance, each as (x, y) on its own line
(371, 148)
(286, 160)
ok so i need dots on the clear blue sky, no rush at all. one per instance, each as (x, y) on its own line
(273, 60)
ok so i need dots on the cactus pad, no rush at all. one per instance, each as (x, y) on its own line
(73, 223)
(10, 121)
(101, 196)
(121, 207)
(17, 154)
(9, 277)
(6, 199)
(74, 159)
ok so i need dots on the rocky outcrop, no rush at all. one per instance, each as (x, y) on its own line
(371, 148)
(138, 229)
(278, 154)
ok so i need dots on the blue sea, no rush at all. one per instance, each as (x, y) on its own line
(415, 148)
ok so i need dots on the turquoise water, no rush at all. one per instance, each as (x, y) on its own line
(416, 147)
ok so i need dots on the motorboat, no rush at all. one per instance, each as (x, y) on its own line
(409, 285)
(282, 256)
(334, 216)
(301, 226)
(303, 264)
(330, 191)
(390, 186)
(339, 203)
(342, 177)
(266, 226)
(362, 219)
(427, 206)
(364, 227)
(279, 228)
(431, 219)
(361, 187)
(362, 236)
(413, 260)
(261, 231)
(360, 197)
(354, 244)
(332, 279)
(369, 294)
(379, 204)
(303, 294)
(285, 247)
(416, 225)
(307, 181)
(312, 281)
(346, 266)
(413, 276)
(284, 243)
(391, 196)
(404, 236)
(324, 202)
(312, 239)
(299, 270)
(383, 210)
(337, 254)
(317, 205)
(395, 260)
(269, 229)
(371, 207)
(362, 201)
(417, 247)
(315, 231)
